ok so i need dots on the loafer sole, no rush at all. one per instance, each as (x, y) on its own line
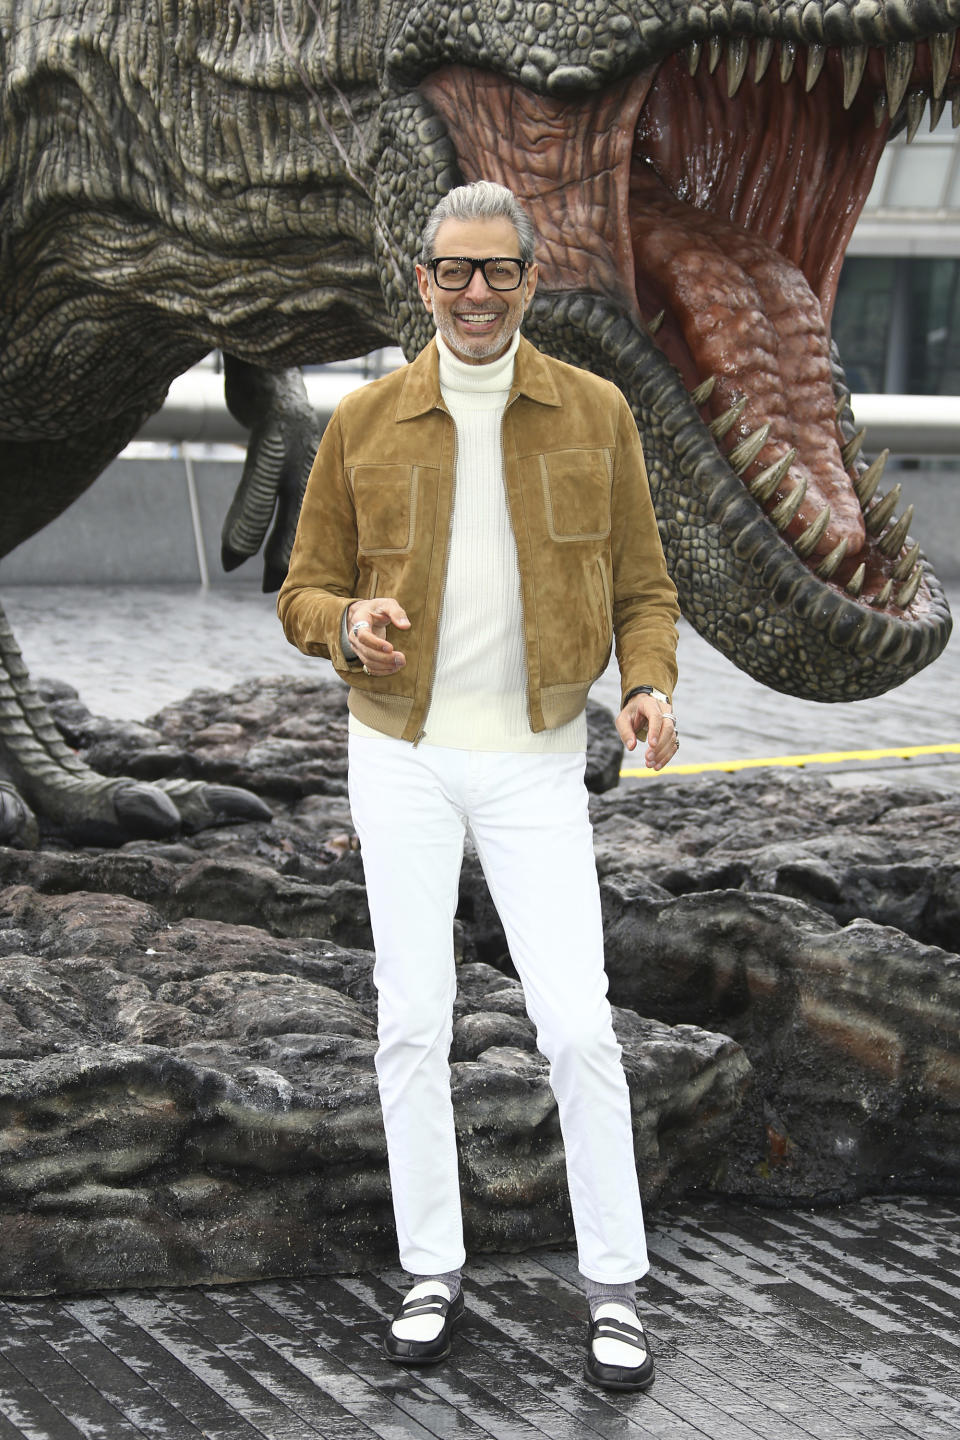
(613, 1381)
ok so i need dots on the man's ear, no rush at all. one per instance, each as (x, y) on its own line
(533, 275)
(423, 285)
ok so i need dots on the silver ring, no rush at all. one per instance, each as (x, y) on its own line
(360, 625)
(365, 670)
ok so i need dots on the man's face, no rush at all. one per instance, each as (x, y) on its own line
(477, 323)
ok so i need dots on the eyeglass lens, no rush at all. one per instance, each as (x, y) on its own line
(454, 272)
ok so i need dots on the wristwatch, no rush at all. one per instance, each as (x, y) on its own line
(647, 690)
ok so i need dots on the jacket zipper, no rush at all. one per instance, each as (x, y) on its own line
(523, 603)
(421, 733)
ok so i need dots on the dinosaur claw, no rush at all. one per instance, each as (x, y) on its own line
(230, 558)
(273, 577)
(200, 804)
(18, 824)
(230, 803)
(145, 811)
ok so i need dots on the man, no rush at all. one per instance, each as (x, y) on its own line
(486, 508)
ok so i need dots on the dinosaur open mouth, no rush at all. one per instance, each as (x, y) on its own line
(712, 198)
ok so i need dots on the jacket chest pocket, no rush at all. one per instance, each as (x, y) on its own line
(385, 499)
(576, 493)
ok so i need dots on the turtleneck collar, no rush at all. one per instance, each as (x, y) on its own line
(456, 374)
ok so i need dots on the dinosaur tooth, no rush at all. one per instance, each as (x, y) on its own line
(903, 567)
(715, 50)
(851, 450)
(955, 110)
(729, 418)
(788, 56)
(694, 51)
(875, 518)
(908, 591)
(854, 63)
(807, 542)
(738, 53)
(892, 542)
(762, 54)
(937, 106)
(789, 505)
(764, 484)
(882, 597)
(816, 54)
(898, 61)
(866, 484)
(916, 104)
(747, 451)
(831, 562)
(855, 584)
(656, 322)
(704, 390)
(941, 57)
(842, 404)
(813, 21)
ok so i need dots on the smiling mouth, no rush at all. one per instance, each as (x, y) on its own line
(711, 198)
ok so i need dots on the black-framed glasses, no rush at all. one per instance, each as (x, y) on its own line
(454, 272)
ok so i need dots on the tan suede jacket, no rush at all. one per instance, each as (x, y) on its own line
(376, 521)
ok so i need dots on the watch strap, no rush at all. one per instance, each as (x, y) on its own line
(647, 690)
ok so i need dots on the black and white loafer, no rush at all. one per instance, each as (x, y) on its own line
(618, 1357)
(420, 1331)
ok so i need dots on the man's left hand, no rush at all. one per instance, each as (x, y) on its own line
(644, 714)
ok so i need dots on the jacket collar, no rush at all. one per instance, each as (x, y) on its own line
(421, 381)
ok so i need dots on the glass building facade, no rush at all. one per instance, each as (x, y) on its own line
(897, 314)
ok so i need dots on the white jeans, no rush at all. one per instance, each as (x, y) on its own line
(527, 815)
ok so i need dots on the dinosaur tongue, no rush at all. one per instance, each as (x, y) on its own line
(739, 310)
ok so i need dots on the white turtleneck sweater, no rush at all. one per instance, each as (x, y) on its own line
(479, 699)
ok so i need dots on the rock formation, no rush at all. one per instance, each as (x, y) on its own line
(187, 1027)
(195, 1101)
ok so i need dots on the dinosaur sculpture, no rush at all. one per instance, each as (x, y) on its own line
(177, 177)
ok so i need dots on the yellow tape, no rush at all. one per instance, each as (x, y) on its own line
(901, 752)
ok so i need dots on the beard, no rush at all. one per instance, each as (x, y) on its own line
(480, 349)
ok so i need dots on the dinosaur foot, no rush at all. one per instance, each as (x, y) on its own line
(160, 810)
(102, 811)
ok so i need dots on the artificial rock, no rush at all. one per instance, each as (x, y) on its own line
(196, 1101)
(787, 1015)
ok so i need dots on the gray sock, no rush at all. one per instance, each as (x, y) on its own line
(598, 1294)
(450, 1278)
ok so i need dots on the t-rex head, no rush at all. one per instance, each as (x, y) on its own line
(695, 173)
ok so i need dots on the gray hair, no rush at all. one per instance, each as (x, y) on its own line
(483, 200)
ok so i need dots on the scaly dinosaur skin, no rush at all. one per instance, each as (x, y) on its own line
(178, 177)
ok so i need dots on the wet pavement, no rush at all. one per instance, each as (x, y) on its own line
(131, 649)
(765, 1325)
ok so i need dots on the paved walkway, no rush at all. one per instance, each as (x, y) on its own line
(766, 1325)
(130, 650)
